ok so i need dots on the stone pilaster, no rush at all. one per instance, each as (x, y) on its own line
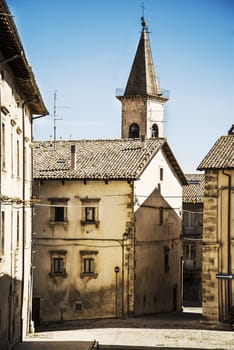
(210, 298)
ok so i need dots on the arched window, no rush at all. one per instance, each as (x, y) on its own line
(154, 130)
(134, 131)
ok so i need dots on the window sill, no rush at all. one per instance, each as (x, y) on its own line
(85, 223)
(64, 223)
(54, 274)
(86, 274)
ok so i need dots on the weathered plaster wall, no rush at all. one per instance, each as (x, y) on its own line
(158, 257)
(96, 294)
(15, 252)
(158, 243)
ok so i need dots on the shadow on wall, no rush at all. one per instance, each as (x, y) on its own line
(10, 311)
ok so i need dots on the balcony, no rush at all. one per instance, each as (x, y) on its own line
(163, 93)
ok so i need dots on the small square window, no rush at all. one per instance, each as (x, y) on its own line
(58, 211)
(78, 306)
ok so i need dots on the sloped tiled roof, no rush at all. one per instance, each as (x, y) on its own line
(98, 159)
(13, 54)
(194, 191)
(221, 155)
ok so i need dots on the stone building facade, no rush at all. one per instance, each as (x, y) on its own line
(218, 230)
(106, 241)
(192, 227)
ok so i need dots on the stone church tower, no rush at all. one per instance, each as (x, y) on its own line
(143, 100)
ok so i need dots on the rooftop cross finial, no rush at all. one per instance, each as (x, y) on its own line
(143, 9)
(143, 22)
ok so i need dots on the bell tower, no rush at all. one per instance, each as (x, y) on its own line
(143, 101)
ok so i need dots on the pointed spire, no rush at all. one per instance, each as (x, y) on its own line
(142, 79)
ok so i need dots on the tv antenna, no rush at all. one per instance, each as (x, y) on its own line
(55, 118)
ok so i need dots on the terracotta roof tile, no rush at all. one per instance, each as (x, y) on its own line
(221, 155)
(95, 159)
(194, 191)
(99, 159)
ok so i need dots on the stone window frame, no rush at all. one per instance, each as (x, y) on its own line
(57, 254)
(90, 206)
(58, 202)
(88, 255)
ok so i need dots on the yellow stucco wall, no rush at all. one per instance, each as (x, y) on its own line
(96, 294)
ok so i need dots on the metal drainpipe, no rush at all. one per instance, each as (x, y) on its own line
(23, 222)
(229, 257)
(23, 217)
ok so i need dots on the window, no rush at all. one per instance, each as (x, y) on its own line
(166, 259)
(12, 155)
(18, 227)
(2, 233)
(90, 214)
(134, 131)
(58, 212)
(3, 155)
(154, 130)
(161, 174)
(161, 216)
(90, 211)
(18, 158)
(189, 256)
(88, 263)
(57, 263)
(189, 251)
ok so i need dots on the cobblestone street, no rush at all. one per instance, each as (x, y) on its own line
(184, 330)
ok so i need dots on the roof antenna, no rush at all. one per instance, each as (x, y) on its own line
(55, 118)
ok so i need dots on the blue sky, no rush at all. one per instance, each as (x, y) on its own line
(84, 50)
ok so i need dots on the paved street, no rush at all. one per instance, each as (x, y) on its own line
(165, 331)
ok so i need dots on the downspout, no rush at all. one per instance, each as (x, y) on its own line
(23, 225)
(23, 221)
(229, 257)
(30, 320)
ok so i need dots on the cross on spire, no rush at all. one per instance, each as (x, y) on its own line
(143, 9)
(143, 22)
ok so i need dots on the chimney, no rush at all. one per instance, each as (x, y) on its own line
(73, 157)
(231, 130)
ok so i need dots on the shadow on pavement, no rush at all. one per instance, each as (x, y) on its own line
(172, 320)
(55, 345)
